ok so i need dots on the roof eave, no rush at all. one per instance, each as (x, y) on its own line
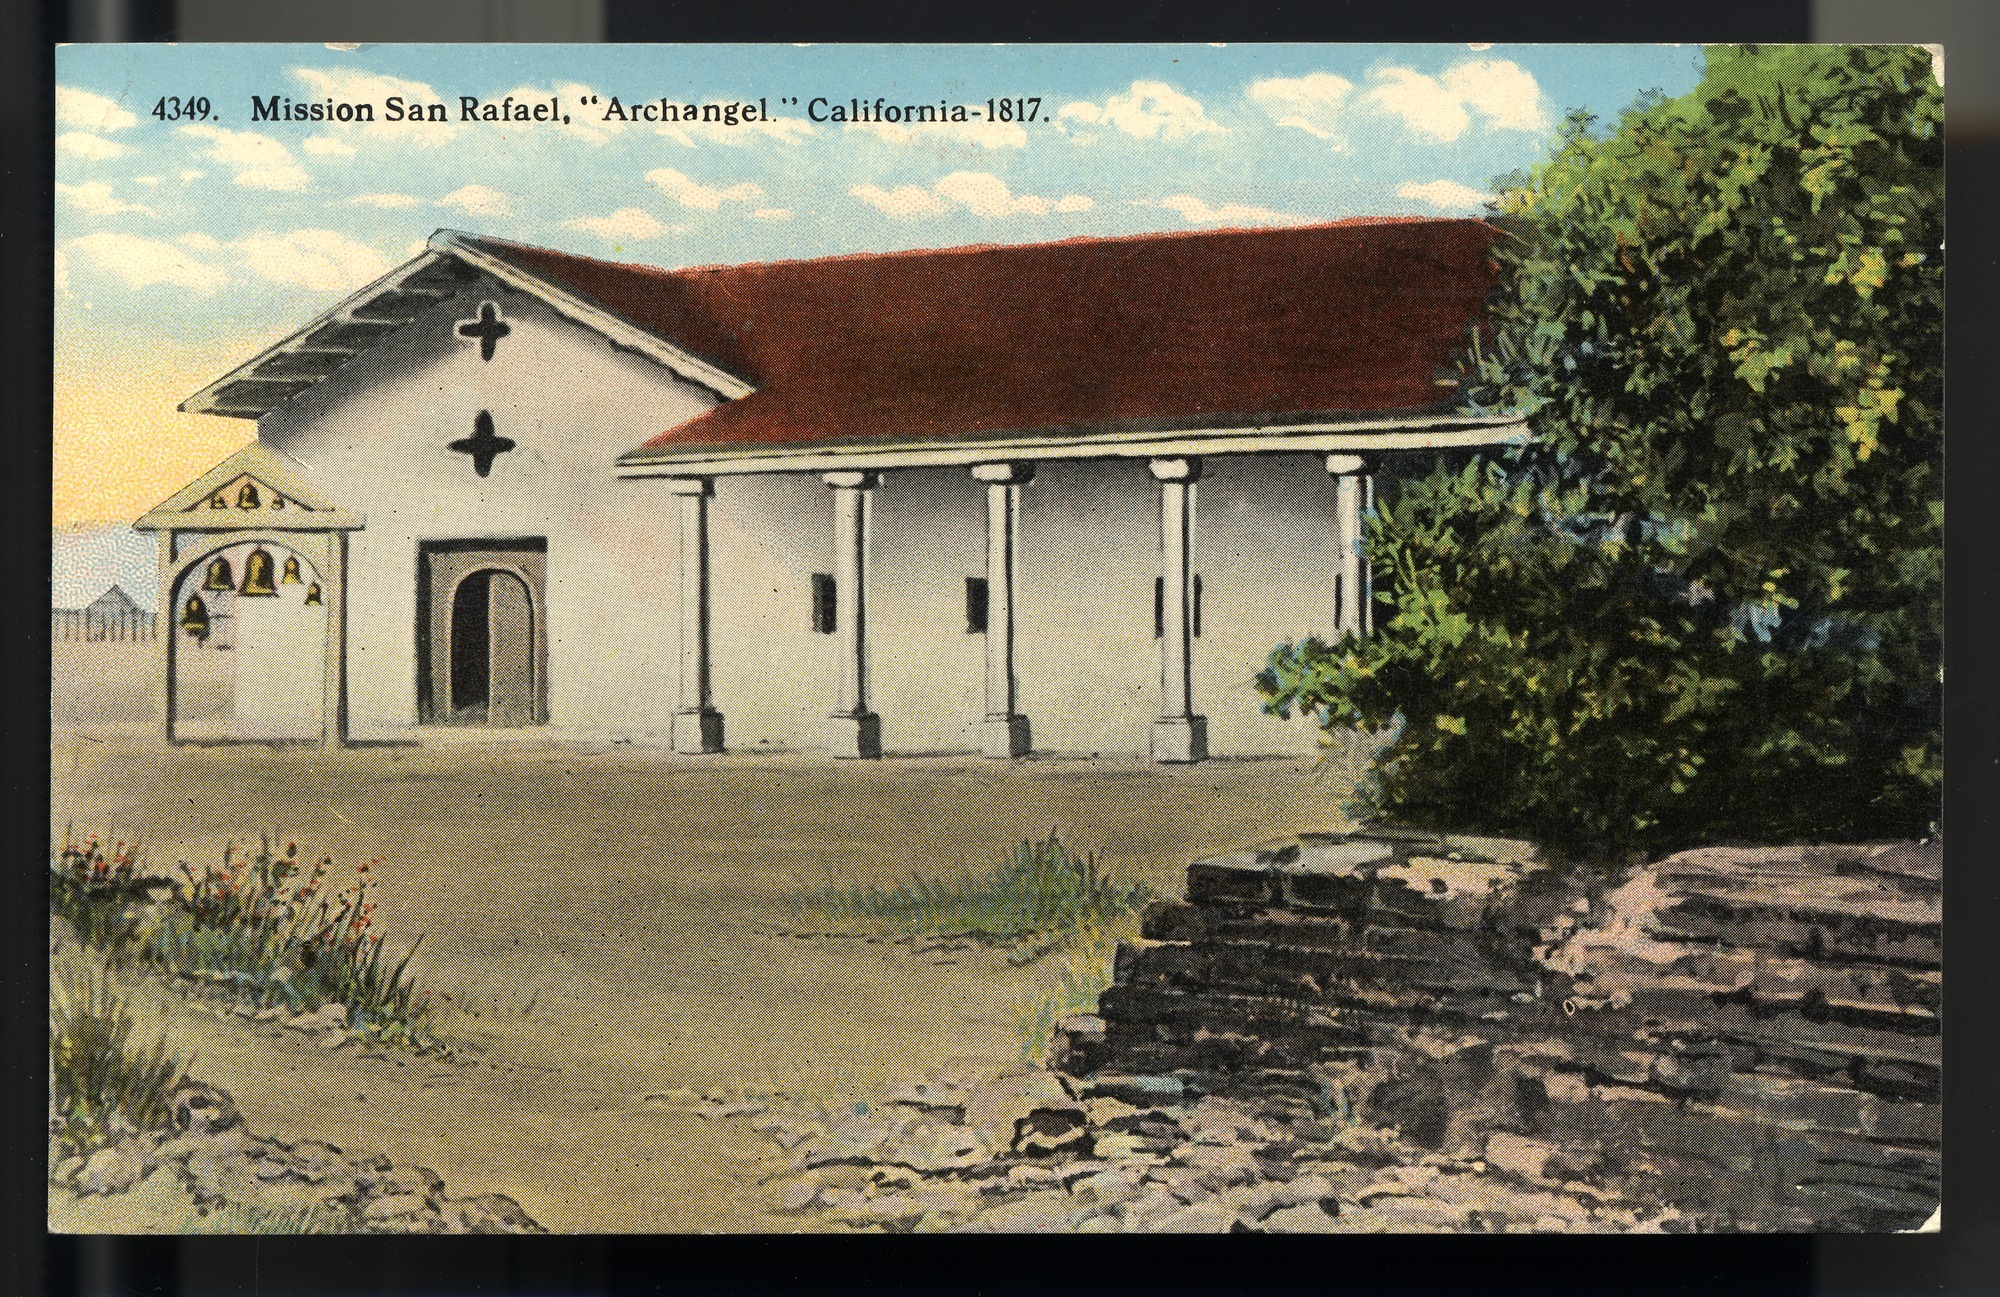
(1353, 435)
(334, 337)
(451, 260)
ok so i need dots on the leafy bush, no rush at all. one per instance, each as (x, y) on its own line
(98, 1078)
(1705, 602)
(1042, 889)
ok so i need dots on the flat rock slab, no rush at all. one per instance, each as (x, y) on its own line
(1422, 876)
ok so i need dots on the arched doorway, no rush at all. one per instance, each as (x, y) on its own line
(493, 650)
(482, 638)
(253, 604)
(246, 627)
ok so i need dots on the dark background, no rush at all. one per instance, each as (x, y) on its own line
(1965, 1259)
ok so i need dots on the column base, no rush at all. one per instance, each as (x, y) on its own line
(1180, 739)
(698, 733)
(855, 737)
(1003, 737)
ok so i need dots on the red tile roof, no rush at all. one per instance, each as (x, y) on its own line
(1352, 317)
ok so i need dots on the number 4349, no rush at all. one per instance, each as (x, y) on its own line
(173, 108)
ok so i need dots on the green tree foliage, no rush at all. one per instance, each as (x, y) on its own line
(1705, 603)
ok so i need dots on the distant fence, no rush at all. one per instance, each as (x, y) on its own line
(83, 625)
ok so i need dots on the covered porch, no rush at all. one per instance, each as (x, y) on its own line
(1004, 470)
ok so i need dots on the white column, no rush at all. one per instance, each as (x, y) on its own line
(1178, 735)
(1005, 732)
(1354, 493)
(165, 687)
(854, 730)
(697, 726)
(333, 562)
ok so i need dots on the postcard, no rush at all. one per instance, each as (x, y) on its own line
(1208, 638)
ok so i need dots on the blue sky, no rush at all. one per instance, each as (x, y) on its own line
(183, 247)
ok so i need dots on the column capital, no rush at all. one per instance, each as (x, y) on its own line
(859, 480)
(702, 486)
(1176, 470)
(1015, 473)
(1345, 465)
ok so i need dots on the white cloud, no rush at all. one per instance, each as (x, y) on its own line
(1445, 195)
(903, 203)
(626, 225)
(326, 146)
(148, 181)
(96, 199)
(695, 196)
(980, 134)
(1312, 103)
(984, 194)
(143, 263)
(785, 130)
(90, 112)
(318, 260)
(1502, 94)
(198, 241)
(1422, 102)
(385, 201)
(286, 179)
(351, 85)
(62, 272)
(479, 200)
(1501, 91)
(978, 192)
(1196, 211)
(258, 161)
(83, 144)
(1149, 110)
(773, 213)
(190, 175)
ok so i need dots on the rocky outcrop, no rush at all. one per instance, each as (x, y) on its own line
(1750, 1035)
(973, 1148)
(219, 1162)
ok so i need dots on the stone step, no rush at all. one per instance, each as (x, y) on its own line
(1460, 974)
(1706, 921)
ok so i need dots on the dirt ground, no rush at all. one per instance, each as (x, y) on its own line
(601, 923)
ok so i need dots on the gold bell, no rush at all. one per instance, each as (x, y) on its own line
(257, 573)
(291, 576)
(218, 502)
(220, 576)
(312, 593)
(194, 617)
(247, 498)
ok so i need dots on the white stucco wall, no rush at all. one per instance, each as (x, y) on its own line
(374, 437)
(1087, 662)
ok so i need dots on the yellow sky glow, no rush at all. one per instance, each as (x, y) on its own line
(121, 447)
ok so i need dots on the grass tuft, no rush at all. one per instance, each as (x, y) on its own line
(238, 1218)
(1081, 975)
(99, 1079)
(1040, 890)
